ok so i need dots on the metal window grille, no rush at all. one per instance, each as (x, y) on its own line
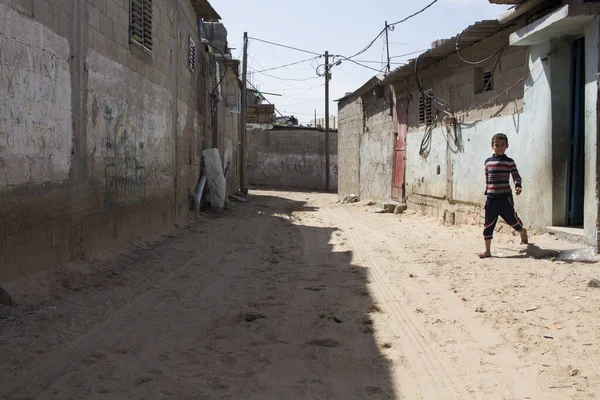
(425, 110)
(141, 23)
(488, 81)
(191, 54)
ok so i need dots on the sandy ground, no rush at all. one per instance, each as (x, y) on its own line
(291, 296)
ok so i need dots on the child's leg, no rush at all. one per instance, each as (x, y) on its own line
(509, 215)
(491, 217)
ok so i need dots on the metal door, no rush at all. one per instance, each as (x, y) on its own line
(400, 120)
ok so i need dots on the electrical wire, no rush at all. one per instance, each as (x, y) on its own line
(415, 14)
(224, 69)
(489, 82)
(367, 47)
(506, 90)
(353, 61)
(446, 107)
(287, 79)
(288, 65)
(408, 54)
(474, 62)
(286, 46)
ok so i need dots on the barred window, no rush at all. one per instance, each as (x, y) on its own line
(141, 23)
(425, 111)
(191, 54)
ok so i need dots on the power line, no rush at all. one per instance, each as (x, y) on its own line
(379, 62)
(287, 79)
(288, 65)
(358, 63)
(391, 26)
(409, 54)
(415, 14)
(367, 47)
(286, 46)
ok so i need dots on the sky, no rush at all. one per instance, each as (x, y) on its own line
(342, 27)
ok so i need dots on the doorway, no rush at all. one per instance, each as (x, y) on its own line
(576, 138)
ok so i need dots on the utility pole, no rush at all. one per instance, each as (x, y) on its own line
(327, 120)
(387, 46)
(243, 112)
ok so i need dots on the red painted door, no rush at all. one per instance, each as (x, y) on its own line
(400, 120)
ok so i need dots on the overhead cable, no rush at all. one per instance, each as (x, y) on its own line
(287, 79)
(415, 14)
(288, 65)
(474, 62)
(286, 46)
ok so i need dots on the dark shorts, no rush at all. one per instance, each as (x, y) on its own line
(500, 207)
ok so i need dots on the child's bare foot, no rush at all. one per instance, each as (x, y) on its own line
(524, 239)
(484, 254)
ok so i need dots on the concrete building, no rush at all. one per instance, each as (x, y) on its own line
(291, 157)
(105, 108)
(366, 141)
(539, 88)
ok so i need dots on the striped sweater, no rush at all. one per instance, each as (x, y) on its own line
(497, 176)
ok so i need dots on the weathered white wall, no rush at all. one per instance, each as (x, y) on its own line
(129, 137)
(421, 172)
(35, 102)
(529, 133)
(591, 94)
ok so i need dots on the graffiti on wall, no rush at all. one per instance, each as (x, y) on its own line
(124, 160)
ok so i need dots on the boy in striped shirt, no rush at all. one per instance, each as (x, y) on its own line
(499, 200)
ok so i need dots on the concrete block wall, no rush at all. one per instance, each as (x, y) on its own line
(230, 128)
(291, 158)
(35, 135)
(100, 141)
(376, 147)
(350, 117)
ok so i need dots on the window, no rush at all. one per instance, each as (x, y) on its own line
(425, 109)
(191, 54)
(488, 81)
(141, 23)
(483, 80)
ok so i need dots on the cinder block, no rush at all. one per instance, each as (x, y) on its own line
(94, 17)
(113, 8)
(99, 42)
(106, 26)
(101, 4)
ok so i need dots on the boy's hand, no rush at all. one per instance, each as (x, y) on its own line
(518, 191)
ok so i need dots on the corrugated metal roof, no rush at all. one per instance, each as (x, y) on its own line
(473, 34)
(205, 10)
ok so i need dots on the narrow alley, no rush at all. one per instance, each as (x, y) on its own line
(294, 296)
